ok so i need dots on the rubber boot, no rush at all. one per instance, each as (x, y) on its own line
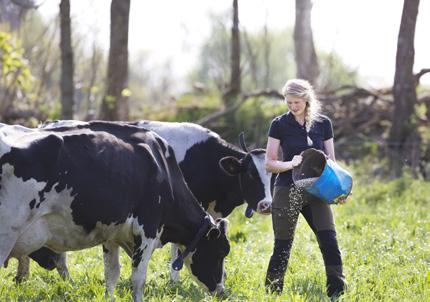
(274, 282)
(278, 265)
(336, 286)
(336, 283)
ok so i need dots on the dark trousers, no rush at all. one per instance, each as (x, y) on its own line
(288, 202)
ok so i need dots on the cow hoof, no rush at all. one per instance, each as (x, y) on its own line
(20, 279)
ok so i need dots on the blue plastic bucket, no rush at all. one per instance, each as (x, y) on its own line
(322, 177)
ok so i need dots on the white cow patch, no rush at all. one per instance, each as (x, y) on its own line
(4, 146)
(9, 129)
(15, 212)
(14, 193)
(5, 137)
(16, 136)
(138, 276)
(35, 235)
(51, 224)
(264, 175)
(212, 212)
(181, 136)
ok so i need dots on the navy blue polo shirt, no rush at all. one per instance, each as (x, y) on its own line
(293, 139)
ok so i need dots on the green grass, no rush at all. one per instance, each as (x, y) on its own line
(383, 232)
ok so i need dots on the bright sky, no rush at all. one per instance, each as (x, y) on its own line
(363, 32)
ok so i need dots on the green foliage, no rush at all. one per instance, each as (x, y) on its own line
(51, 111)
(188, 107)
(382, 231)
(14, 69)
(255, 116)
(110, 101)
(40, 43)
(192, 107)
(40, 48)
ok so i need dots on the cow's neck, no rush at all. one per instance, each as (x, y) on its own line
(209, 183)
(182, 222)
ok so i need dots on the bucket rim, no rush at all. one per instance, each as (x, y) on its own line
(305, 153)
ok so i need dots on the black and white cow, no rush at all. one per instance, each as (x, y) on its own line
(110, 184)
(219, 174)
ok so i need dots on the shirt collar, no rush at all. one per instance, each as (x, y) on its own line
(292, 121)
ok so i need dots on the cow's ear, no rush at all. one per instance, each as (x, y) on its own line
(230, 165)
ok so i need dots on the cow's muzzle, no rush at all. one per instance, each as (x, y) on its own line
(219, 290)
(264, 207)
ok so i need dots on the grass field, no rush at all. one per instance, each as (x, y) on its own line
(383, 232)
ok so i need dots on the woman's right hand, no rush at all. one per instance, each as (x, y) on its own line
(297, 159)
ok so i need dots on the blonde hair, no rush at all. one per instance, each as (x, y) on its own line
(303, 89)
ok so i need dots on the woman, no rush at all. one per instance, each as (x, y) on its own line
(301, 128)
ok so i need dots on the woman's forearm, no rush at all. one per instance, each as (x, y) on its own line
(276, 166)
(329, 149)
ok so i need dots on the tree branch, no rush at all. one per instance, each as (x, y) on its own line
(420, 74)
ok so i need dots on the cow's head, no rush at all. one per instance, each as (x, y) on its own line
(206, 261)
(254, 180)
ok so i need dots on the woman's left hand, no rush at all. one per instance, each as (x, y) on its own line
(343, 199)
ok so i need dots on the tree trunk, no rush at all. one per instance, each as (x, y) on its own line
(115, 102)
(305, 55)
(267, 68)
(67, 86)
(235, 82)
(405, 97)
(252, 57)
(95, 62)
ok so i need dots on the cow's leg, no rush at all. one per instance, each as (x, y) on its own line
(61, 266)
(174, 251)
(23, 269)
(7, 243)
(48, 259)
(112, 267)
(143, 248)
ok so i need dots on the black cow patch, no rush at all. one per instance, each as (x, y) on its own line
(32, 203)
